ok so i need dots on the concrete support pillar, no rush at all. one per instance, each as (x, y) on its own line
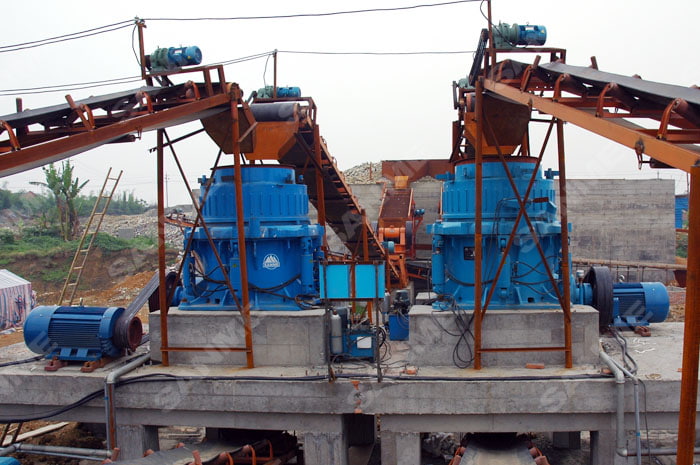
(360, 429)
(566, 440)
(134, 440)
(400, 448)
(326, 447)
(603, 449)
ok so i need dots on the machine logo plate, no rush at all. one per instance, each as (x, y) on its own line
(271, 262)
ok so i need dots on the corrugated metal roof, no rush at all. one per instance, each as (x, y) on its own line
(9, 279)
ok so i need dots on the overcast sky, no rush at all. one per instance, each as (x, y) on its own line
(369, 107)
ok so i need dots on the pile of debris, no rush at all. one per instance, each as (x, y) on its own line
(365, 173)
(144, 224)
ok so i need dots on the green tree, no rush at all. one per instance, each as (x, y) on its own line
(65, 189)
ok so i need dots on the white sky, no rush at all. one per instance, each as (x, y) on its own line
(369, 108)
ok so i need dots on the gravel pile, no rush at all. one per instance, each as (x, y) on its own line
(130, 226)
(366, 173)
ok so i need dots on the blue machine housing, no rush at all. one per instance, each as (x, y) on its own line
(638, 304)
(282, 246)
(73, 333)
(175, 57)
(523, 280)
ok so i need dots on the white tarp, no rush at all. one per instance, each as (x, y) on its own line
(15, 299)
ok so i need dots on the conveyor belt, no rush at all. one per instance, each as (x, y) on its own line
(653, 91)
(95, 121)
(208, 452)
(343, 212)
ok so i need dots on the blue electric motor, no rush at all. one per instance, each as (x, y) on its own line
(638, 304)
(282, 92)
(623, 305)
(74, 333)
(282, 246)
(175, 57)
(508, 36)
(523, 280)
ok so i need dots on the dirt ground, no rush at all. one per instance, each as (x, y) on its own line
(118, 295)
(71, 435)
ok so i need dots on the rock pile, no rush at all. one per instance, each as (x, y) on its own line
(365, 173)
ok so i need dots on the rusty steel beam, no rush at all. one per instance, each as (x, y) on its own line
(162, 292)
(478, 246)
(691, 331)
(59, 149)
(677, 156)
(565, 272)
(242, 255)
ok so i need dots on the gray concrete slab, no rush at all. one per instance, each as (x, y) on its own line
(301, 398)
(434, 334)
(280, 338)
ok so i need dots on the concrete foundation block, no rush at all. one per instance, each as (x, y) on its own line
(400, 448)
(603, 450)
(433, 336)
(292, 338)
(134, 440)
(326, 447)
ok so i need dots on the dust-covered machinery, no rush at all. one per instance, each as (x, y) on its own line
(282, 246)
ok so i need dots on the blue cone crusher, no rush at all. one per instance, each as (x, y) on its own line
(283, 248)
(523, 282)
(523, 279)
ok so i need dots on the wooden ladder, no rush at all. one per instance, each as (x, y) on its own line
(88, 237)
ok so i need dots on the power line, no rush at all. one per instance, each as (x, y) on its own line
(426, 52)
(65, 35)
(315, 15)
(39, 43)
(130, 79)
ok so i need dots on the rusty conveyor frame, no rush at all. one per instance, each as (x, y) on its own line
(603, 103)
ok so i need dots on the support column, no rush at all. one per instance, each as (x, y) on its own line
(361, 429)
(566, 439)
(603, 449)
(400, 448)
(134, 440)
(325, 447)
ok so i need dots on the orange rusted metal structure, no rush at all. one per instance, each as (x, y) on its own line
(397, 223)
(605, 104)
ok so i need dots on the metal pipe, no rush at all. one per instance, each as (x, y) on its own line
(637, 422)
(110, 411)
(274, 78)
(621, 448)
(97, 455)
(691, 330)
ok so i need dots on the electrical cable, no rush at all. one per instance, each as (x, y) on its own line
(424, 52)
(21, 362)
(66, 37)
(316, 15)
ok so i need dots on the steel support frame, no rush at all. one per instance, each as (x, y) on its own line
(691, 332)
(244, 304)
(671, 154)
(565, 297)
